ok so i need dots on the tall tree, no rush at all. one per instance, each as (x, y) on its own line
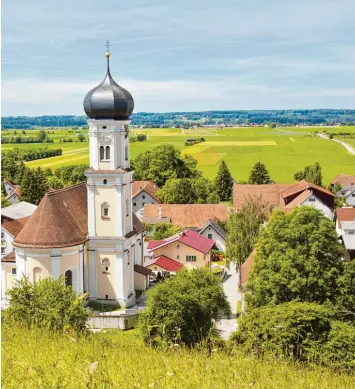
(259, 174)
(164, 230)
(311, 173)
(177, 191)
(243, 228)
(298, 258)
(224, 182)
(34, 186)
(164, 162)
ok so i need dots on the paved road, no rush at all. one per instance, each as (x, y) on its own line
(227, 326)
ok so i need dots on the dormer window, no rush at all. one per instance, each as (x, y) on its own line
(105, 210)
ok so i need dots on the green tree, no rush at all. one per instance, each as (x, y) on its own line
(42, 136)
(55, 182)
(223, 182)
(47, 303)
(164, 162)
(346, 284)
(184, 308)
(34, 186)
(259, 174)
(165, 230)
(204, 191)
(81, 137)
(47, 172)
(243, 229)
(177, 191)
(298, 258)
(311, 174)
(4, 202)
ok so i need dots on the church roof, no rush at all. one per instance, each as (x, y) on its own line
(60, 220)
(108, 100)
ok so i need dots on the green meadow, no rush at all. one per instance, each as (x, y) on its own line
(34, 359)
(284, 151)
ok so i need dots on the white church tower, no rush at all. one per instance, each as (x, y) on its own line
(115, 235)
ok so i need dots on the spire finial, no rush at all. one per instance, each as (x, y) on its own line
(107, 44)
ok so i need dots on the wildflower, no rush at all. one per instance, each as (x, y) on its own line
(169, 373)
(93, 367)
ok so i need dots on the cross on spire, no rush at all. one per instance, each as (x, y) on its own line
(107, 44)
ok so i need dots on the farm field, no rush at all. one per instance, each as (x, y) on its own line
(34, 359)
(284, 151)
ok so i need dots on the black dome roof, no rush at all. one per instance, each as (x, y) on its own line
(108, 100)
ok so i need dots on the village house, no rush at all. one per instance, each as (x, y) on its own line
(345, 227)
(13, 192)
(343, 179)
(186, 249)
(191, 216)
(17, 211)
(143, 192)
(347, 192)
(212, 230)
(88, 233)
(287, 196)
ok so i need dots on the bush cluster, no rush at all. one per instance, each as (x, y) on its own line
(191, 142)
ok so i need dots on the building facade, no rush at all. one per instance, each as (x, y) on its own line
(88, 233)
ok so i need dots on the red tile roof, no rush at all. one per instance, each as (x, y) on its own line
(167, 263)
(343, 179)
(185, 215)
(14, 227)
(278, 195)
(345, 215)
(147, 186)
(189, 238)
(11, 257)
(60, 220)
(142, 270)
(245, 268)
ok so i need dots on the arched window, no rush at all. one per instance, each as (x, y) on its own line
(107, 152)
(105, 265)
(68, 278)
(104, 210)
(102, 153)
(37, 274)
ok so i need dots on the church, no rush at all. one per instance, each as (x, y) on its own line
(88, 233)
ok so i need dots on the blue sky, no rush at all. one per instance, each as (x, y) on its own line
(186, 55)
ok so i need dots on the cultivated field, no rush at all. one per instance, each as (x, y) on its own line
(284, 151)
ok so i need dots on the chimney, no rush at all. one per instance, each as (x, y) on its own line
(159, 212)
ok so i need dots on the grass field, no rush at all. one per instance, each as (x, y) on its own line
(36, 359)
(284, 151)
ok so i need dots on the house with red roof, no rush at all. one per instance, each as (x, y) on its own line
(287, 196)
(186, 249)
(345, 227)
(13, 192)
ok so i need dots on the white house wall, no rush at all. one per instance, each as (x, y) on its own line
(220, 242)
(6, 242)
(139, 202)
(319, 205)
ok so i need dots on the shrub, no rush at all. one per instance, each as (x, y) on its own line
(183, 309)
(291, 330)
(46, 304)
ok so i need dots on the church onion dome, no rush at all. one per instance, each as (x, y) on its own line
(108, 100)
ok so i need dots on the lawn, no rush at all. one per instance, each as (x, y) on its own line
(284, 151)
(35, 359)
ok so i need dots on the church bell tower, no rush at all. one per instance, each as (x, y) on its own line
(109, 189)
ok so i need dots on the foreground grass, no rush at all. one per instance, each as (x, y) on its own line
(37, 359)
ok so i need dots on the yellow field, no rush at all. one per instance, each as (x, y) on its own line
(209, 159)
(242, 143)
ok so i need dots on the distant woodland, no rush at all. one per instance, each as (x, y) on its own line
(199, 119)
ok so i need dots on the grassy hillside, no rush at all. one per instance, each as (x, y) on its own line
(37, 359)
(284, 151)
